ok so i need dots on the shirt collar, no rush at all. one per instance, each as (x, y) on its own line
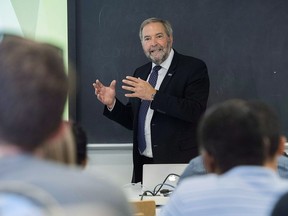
(166, 64)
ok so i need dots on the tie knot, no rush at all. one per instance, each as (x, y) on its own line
(156, 68)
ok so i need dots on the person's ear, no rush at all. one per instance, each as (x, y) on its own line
(171, 40)
(209, 162)
(281, 146)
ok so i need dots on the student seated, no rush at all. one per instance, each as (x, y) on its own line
(81, 142)
(33, 93)
(196, 167)
(240, 142)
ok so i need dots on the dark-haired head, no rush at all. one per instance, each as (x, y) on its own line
(81, 144)
(33, 91)
(238, 132)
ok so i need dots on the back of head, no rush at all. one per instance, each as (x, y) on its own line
(33, 91)
(239, 132)
(81, 142)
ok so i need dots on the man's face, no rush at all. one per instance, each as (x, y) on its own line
(156, 43)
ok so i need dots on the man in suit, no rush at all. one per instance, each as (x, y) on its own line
(177, 99)
(33, 93)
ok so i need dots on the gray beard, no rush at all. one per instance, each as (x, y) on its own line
(165, 56)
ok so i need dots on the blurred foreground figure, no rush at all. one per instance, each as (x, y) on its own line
(240, 142)
(33, 91)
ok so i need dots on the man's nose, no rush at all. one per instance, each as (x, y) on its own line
(154, 41)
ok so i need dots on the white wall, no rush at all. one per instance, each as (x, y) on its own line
(113, 160)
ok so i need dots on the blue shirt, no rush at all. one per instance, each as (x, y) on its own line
(244, 190)
(17, 205)
(196, 167)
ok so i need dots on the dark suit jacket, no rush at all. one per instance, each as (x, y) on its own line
(177, 105)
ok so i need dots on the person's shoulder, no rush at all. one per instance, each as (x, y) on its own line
(283, 159)
(196, 160)
(50, 174)
(198, 182)
(146, 66)
(189, 59)
(63, 172)
(68, 185)
(195, 167)
(14, 203)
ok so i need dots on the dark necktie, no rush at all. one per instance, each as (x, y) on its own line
(143, 111)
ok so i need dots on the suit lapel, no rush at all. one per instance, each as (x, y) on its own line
(170, 72)
(145, 73)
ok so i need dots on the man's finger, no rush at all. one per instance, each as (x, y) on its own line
(131, 95)
(131, 78)
(128, 88)
(129, 82)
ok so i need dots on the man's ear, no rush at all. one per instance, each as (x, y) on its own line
(281, 146)
(171, 38)
(209, 162)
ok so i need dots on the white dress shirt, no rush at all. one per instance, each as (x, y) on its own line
(161, 74)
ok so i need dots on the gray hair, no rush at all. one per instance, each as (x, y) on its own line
(165, 23)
